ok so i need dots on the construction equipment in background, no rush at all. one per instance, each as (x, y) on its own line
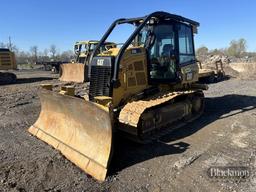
(77, 71)
(142, 90)
(53, 66)
(7, 62)
(83, 49)
(207, 75)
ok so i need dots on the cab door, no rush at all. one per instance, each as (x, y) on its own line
(161, 54)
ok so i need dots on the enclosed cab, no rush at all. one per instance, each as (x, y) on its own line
(160, 53)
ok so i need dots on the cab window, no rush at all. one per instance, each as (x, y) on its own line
(162, 53)
(92, 46)
(186, 50)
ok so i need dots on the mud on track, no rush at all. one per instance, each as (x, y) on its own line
(223, 136)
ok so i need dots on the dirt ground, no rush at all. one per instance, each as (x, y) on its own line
(223, 136)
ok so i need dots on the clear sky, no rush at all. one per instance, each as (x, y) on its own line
(62, 22)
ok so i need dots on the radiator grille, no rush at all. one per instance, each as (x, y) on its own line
(100, 81)
(138, 65)
(141, 78)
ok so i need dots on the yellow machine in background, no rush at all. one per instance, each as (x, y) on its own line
(7, 62)
(207, 75)
(78, 70)
(143, 90)
(83, 49)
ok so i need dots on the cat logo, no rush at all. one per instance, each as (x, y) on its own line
(100, 62)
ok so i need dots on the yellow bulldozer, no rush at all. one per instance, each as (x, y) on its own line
(7, 62)
(141, 90)
(83, 49)
(207, 75)
(77, 71)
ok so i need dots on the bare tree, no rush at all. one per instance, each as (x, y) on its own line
(2, 45)
(53, 51)
(217, 52)
(14, 48)
(34, 53)
(23, 57)
(67, 55)
(45, 53)
(9, 46)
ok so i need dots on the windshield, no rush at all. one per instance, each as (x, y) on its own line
(80, 48)
(93, 46)
(76, 48)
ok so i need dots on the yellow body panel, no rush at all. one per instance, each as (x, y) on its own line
(132, 75)
(7, 60)
(189, 71)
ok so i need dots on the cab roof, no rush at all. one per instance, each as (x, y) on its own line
(91, 42)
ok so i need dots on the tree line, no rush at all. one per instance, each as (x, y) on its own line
(236, 49)
(34, 55)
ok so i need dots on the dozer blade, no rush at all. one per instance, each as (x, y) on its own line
(73, 72)
(78, 128)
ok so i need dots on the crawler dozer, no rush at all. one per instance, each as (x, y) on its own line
(141, 90)
(207, 75)
(7, 62)
(77, 71)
